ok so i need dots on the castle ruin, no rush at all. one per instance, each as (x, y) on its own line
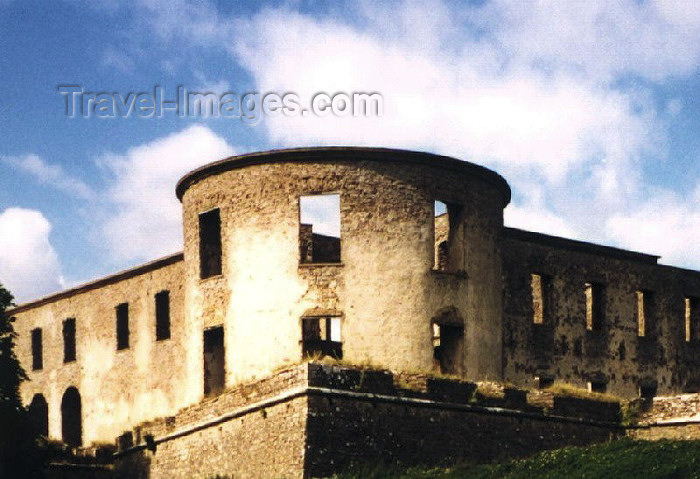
(416, 273)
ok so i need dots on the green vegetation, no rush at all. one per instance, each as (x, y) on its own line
(623, 458)
(20, 455)
(566, 389)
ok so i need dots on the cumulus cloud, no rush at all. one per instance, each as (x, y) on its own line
(655, 39)
(666, 224)
(447, 90)
(49, 174)
(557, 96)
(446, 102)
(146, 218)
(29, 267)
(538, 219)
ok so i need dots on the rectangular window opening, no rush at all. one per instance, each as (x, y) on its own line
(648, 391)
(594, 306)
(321, 337)
(544, 382)
(37, 350)
(448, 253)
(214, 361)
(598, 386)
(210, 244)
(319, 228)
(644, 319)
(69, 340)
(122, 311)
(436, 336)
(539, 286)
(162, 315)
(692, 319)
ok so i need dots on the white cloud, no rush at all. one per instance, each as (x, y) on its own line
(445, 91)
(537, 219)
(322, 212)
(666, 224)
(558, 95)
(655, 39)
(49, 174)
(446, 100)
(29, 266)
(146, 221)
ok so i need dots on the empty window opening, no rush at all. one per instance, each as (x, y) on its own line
(442, 232)
(692, 319)
(214, 361)
(544, 382)
(594, 306)
(647, 391)
(122, 326)
(163, 315)
(210, 244)
(37, 350)
(598, 386)
(539, 285)
(447, 345)
(71, 418)
(622, 351)
(69, 340)
(644, 319)
(321, 337)
(319, 228)
(39, 415)
(448, 247)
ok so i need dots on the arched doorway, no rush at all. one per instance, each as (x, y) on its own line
(39, 415)
(71, 418)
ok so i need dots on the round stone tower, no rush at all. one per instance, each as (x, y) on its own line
(377, 256)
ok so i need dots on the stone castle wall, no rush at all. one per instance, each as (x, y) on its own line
(118, 388)
(324, 419)
(388, 289)
(384, 289)
(563, 349)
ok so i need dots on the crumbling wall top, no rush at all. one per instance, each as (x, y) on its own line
(342, 153)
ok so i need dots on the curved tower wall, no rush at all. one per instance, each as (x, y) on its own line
(385, 288)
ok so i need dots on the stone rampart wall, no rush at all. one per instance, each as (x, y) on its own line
(338, 418)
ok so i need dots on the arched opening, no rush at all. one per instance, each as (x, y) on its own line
(71, 418)
(39, 415)
(448, 341)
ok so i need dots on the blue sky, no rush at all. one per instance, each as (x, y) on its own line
(589, 109)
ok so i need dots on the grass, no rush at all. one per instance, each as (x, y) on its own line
(622, 458)
(566, 389)
(331, 361)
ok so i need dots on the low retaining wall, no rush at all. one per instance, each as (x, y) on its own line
(680, 430)
(345, 428)
(323, 419)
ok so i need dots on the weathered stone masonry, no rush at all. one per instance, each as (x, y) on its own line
(409, 291)
(663, 361)
(315, 420)
(116, 387)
